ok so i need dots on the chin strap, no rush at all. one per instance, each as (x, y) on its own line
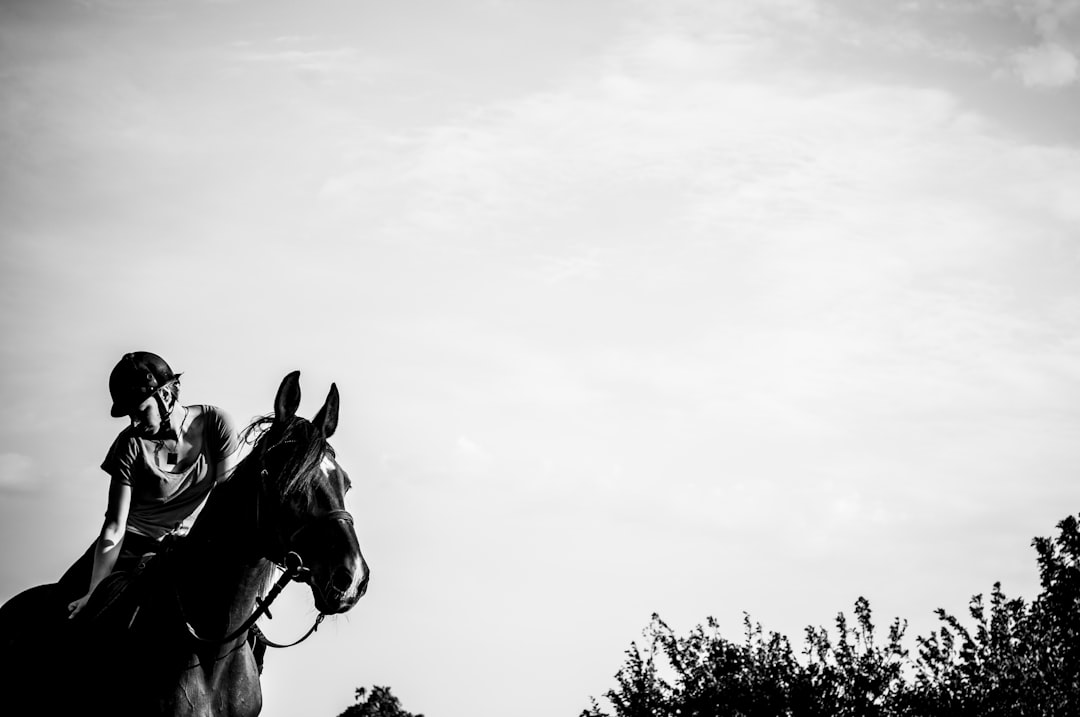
(166, 431)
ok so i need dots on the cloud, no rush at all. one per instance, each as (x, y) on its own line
(315, 66)
(750, 267)
(1053, 61)
(471, 450)
(1047, 65)
(303, 58)
(18, 472)
(583, 266)
(1049, 18)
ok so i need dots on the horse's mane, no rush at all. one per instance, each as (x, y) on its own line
(267, 433)
(295, 475)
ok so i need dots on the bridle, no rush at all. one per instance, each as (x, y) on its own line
(291, 565)
(293, 570)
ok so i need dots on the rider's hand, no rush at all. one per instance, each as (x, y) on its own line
(77, 605)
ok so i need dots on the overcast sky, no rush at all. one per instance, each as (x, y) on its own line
(678, 306)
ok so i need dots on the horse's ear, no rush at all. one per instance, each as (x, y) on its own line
(326, 418)
(288, 397)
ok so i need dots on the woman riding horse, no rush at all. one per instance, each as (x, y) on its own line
(180, 647)
(162, 467)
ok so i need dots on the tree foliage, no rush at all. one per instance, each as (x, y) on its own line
(1013, 659)
(377, 703)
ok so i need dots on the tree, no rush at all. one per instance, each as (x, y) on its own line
(1021, 659)
(379, 703)
(1017, 660)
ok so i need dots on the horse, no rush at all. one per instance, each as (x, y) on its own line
(174, 637)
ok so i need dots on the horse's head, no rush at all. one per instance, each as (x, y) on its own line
(304, 491)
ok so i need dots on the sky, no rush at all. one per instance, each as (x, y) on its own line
(677, 306)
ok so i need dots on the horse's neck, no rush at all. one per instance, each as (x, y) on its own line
(221, 572)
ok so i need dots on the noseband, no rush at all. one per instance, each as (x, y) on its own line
(333, 515)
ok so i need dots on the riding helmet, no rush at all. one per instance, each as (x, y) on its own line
(137, 375)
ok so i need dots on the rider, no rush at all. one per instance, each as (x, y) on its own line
(162, 468)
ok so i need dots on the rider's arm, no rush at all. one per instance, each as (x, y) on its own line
(107, 548)
(226, 444)
(224, 468)
(112, 532)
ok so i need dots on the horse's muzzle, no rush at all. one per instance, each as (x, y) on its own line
(343, 590)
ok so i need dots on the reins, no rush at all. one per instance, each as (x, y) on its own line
(294, 570)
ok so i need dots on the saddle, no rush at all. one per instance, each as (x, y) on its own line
(114, 606)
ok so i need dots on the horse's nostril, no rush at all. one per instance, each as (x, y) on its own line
(342, 580)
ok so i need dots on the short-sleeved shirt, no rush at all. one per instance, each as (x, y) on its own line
(167, 497)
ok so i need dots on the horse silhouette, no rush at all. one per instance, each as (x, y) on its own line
(173, 637)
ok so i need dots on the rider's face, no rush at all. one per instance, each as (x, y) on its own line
(146, 419)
